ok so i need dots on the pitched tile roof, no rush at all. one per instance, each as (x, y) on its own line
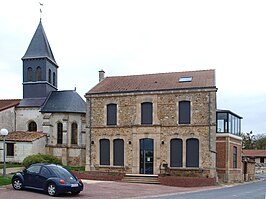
(39, 46)
(23, 136)
(254, 153)
(64, 102)
(8, 103)
(155, 82)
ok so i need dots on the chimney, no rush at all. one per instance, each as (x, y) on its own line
(101, 75)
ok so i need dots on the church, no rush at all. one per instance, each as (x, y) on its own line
(45, 120)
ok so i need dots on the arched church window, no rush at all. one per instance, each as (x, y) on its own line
(74, 133)
(38, 73)
(59, 133)
(54, 78)
(32, 126)
(49, 76)
(29, 74)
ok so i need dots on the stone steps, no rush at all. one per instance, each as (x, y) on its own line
(141, 178)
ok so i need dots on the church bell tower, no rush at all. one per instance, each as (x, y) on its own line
(39, 67)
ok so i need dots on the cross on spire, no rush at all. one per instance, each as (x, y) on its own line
(41, 4)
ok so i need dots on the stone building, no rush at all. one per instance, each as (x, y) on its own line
(58, 115)
(142, 123)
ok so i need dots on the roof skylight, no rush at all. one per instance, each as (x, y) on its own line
(185, 79)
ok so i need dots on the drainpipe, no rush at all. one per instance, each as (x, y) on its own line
(90, 122)
(209, 129)
(209, 122)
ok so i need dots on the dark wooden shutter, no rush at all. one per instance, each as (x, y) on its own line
(118, 152)
(146, 113)
(176, 153)
(111, 114)
(104, 152)
(192, 152)
(184, 112)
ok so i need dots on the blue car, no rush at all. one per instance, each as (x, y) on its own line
(51, 178)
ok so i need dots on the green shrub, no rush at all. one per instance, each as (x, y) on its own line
(40, 158)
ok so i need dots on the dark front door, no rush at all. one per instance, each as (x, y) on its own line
(146, 156)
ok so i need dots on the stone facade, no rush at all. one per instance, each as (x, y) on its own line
(164, 127)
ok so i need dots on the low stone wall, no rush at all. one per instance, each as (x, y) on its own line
(186, 181)
(96, 175)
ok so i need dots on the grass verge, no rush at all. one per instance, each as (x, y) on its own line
(5, 180)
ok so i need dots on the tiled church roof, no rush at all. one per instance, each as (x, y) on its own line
(64, 102)
(155, 82)
(23, 136)
(8, 103)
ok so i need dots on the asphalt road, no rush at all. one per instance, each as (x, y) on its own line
(254, 190)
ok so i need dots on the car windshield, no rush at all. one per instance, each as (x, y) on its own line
(62, 172)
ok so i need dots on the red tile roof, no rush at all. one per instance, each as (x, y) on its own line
(23, 136)
(155, 82)
(8, 103)
(254, 153)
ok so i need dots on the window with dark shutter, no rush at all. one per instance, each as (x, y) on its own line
(119, 152)
(192, 152)
(59, 133)
(104, 152)
(234, 157)
(146, 113)
(111, 114)
(184, 112)
(74, 133)
(176, 152)
(10, 149)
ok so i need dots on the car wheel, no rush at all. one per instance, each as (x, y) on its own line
(17, 184)
(51, 189)
(75, 192)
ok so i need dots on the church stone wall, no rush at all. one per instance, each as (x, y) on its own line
(73, 155)
(7, 119)
(25, 115)
(165, 127)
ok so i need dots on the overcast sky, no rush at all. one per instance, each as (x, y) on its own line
(126, 37)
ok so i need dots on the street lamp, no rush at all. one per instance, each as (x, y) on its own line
(4, 132)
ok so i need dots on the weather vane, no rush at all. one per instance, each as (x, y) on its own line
(41, 4)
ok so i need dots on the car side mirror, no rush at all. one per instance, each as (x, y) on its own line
(25, 171)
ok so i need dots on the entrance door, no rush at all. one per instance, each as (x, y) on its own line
(146, 156)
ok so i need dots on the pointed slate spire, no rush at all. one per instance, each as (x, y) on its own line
(39, 46)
